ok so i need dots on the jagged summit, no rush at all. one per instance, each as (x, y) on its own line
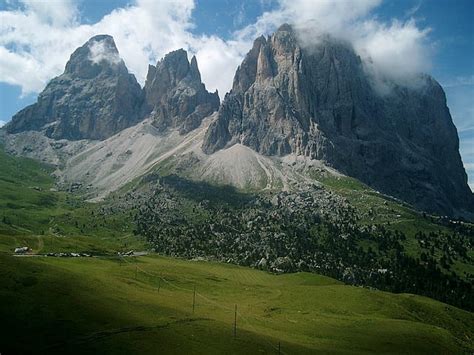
(310, 100)
(318, 101)
(175, 96)
(97, 54)
(94, 98)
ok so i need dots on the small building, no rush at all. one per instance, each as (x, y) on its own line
(21, 250)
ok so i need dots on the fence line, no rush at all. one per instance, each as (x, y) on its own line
(218, 305)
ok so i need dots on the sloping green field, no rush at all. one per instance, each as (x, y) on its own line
(145, 305)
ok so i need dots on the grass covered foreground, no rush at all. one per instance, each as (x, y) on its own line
(145, 305)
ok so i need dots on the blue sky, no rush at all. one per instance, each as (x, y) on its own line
(402, 36)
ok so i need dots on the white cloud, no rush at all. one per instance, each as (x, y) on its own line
(143, 32)
(2, 123)
(218, 61)
(100, 51)
(18, 69)
(33, 49)
(146, 30)
(55, 12)
(396, 51)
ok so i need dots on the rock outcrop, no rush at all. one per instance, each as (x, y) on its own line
(94, 98)
(175, 97)
(318, 101)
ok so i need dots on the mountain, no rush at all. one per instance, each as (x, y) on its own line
(293, 106)
(94, 98)
(174, 94)
(318, 101)
(262, 183)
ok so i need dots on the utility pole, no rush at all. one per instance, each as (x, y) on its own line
(235, 322)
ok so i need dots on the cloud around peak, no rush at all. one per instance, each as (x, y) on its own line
(397, 50)
(146, 30)
(101, 50)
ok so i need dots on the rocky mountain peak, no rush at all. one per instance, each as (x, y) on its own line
(176, 66)
(317, 100)
(94, 98)
(194, 70)
(98, 55)
(175, 96)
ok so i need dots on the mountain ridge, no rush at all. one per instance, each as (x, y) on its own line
(287, 100)
(318, 101)
(175, 95)
(94, 98)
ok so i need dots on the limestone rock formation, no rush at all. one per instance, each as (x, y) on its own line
(175, 96)
(318, 101)
(94, 98)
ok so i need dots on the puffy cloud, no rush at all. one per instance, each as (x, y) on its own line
(327, 16)
(55, 12)
(29, 57)
(146, 30)
(218, 61)
(395, 51)
(2, 123)
(99, 51)
(143, 32)
(16, 69)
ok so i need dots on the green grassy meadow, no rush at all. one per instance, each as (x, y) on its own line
(144, 305)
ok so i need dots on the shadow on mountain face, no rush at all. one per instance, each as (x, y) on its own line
(201, 191)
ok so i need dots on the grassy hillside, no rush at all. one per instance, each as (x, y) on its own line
(145, 306)
(34, 214)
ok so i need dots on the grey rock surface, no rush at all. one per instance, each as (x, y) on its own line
(175, 97)
(318, 101)
(94, 98)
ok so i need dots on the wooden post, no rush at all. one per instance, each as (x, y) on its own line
(279, 348)
(235, 322)
(159, 284)
(194, 298)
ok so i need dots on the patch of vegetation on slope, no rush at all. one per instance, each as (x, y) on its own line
(315, 230)
(114, 306)
(436, 239)
(34, 214)
(70, 306)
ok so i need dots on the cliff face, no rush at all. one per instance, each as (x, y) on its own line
(175, 96)
(318, 101)
(94, 98)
